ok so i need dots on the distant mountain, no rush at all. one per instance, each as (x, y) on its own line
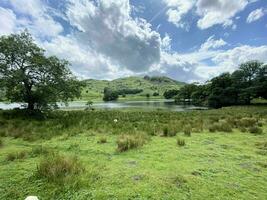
(157, 84)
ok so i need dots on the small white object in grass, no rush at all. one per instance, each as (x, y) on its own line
(32, 198)
(115, 120)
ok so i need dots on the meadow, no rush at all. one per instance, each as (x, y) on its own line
(134, 154)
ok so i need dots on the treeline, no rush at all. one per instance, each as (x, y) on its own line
(112, 95)
(237, 88)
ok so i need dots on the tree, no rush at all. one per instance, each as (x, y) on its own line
(110, 95)
(170, 94)
(28, 76)
(185, 93)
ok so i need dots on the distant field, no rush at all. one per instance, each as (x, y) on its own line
(215, 154)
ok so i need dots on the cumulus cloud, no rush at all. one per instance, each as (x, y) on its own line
(255, 15)
(213, 12)
(177, 9)
(107, 42)
(210, 12)
(211, 43)
(108, 28)
(225, 60)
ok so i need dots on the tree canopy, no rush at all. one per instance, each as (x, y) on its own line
(240, 87)
(28, 75)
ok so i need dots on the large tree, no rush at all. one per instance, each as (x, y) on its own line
(27, 75)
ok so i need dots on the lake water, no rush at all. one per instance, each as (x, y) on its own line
(144, 105)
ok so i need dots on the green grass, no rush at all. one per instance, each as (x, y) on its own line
(211, 165)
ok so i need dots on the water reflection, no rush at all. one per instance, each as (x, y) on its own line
(144, 105)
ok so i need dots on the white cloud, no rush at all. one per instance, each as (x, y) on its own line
(177, 9)
(213, 12)
(108, 28)
(224, 60)
(255, 15)
(110, 43)
(40, 23)
(211, 43)
(210, 12)
(7, 21)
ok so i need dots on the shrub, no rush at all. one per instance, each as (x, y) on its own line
(1, 142)
(220, 127)
(126, 142)
(187, 131)
(102, 140)
(247, 122)
(243, 129)
(56, 168)
(225, 127)
(180, 142)
(255, 130)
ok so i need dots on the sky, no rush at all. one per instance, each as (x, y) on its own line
(187, 40)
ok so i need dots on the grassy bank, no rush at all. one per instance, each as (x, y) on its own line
(215, 154)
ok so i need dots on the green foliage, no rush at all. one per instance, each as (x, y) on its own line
(57, 168)
(255, 130)
(169, 94)
(155, 94)
(110, 95)
(220, 127)
(238, 88)
(185, 93)
(28, 76)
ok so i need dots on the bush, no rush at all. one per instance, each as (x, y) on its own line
(126, 142)
(255, 130)
(247, 122)
(243, 129)
(180, 142)
(102, 140)
(56, 168)
(1, 142)
(220, 127)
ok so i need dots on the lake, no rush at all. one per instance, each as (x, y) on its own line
(144, 105)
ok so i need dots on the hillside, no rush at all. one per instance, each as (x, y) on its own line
(94, 88)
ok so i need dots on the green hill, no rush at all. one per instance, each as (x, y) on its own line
(94, 88)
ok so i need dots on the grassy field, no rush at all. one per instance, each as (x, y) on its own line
(214, 154)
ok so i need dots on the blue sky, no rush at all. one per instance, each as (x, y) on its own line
(188, 40)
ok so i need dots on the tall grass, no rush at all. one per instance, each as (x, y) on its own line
(167, 124)
(127, 142)
(57, 168)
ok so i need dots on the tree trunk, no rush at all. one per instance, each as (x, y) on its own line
(30, 106)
